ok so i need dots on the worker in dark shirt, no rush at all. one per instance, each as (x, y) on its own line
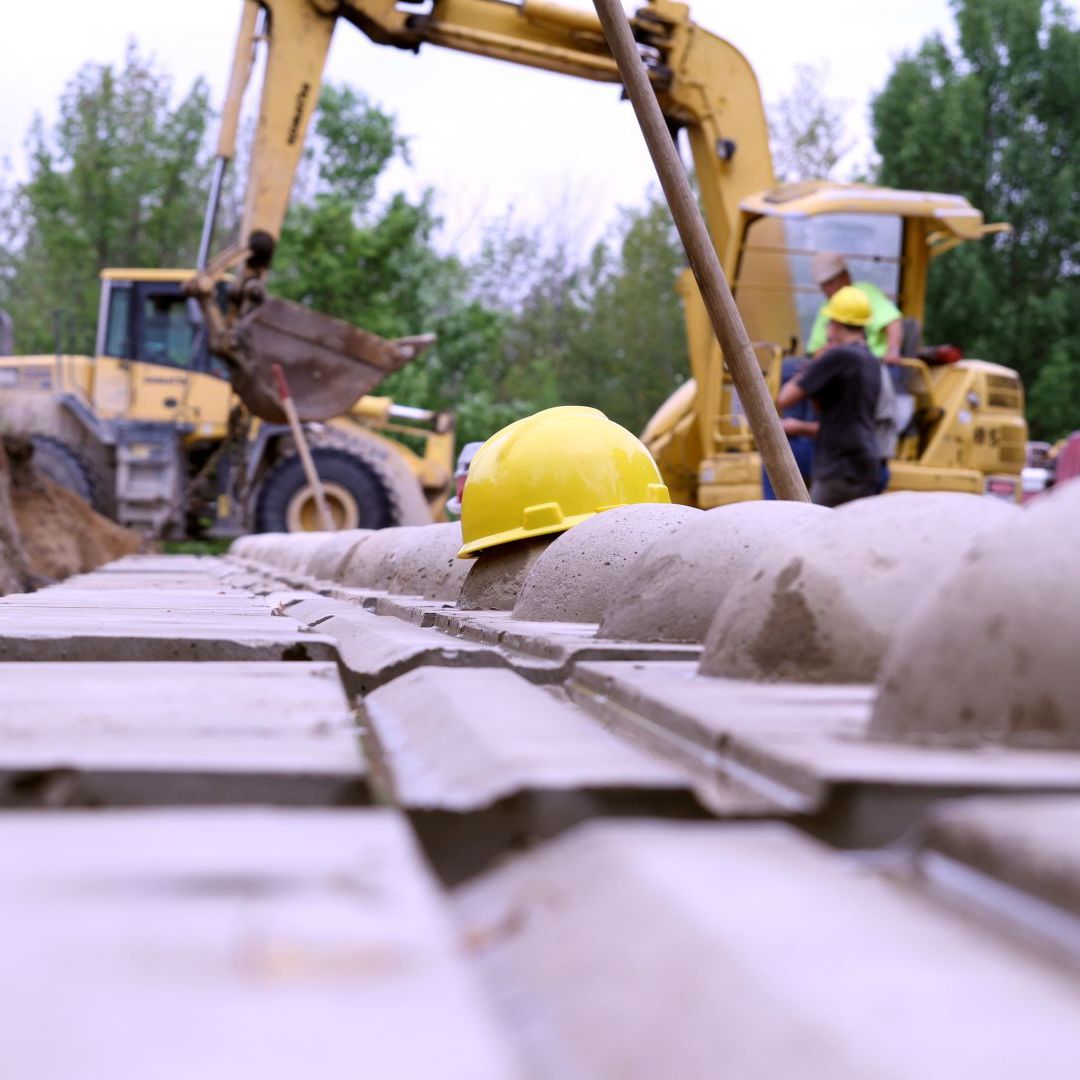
(844, 382)
(800, 425)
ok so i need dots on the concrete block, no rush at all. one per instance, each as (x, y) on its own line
(231, 943)
(823, 604)
(119, 635)
(428, 566)
(678, 583)
(643, 950)
(373, 563)
(373, 649)
(495, 577)
(331, 555)
(1012, 861)
(687, 718)
(990, 656)
(802, 750)
(127, 734)
(575, 577)
(484, 762)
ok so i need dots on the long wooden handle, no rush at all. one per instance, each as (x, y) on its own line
(306, 461)
(724, 315)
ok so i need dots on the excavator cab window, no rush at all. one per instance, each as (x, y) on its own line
(774, 287)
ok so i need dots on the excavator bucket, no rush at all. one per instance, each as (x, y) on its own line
(328, 363)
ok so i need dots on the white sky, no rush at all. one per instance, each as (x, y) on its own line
(484, 134)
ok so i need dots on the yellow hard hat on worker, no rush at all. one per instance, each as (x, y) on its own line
(850, 306)
(550, 471)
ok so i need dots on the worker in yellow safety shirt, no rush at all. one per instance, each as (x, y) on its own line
(883, 333)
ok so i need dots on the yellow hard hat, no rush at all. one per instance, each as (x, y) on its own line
(550, 471)
(850, 306)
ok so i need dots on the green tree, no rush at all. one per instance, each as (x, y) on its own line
(120, 179)
(807, 129)
(996, 118)
(374, 263)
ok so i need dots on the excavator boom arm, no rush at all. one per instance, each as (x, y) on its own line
(703, 83)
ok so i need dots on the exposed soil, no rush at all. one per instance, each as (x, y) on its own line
(47, 532)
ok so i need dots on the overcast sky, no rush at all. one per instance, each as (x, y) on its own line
(484, 134)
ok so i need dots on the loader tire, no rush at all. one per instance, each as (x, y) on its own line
(356, 498)
(68, 468)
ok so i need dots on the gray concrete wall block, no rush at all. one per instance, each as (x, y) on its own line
(823, 603)
(241, 943)
(991, 654)
(574, 578)
(700, 950)
(678, 583)
(495, 577)
(373, 563)
(428, 566)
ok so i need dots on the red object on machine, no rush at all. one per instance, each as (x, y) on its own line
(942, 354)
(1068, 462)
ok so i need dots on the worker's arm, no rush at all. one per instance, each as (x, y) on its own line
(791, 393)
(893, 333)
(792, 426)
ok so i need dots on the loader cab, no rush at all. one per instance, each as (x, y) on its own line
(151, 361)
(145, 317)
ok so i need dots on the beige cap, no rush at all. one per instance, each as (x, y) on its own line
(826, 265)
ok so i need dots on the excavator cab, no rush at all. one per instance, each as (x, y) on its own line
(967, 430)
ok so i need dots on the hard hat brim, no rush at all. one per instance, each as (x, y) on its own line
(471, 550)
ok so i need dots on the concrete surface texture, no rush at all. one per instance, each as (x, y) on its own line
(824, 603)
(750, 951)
(460, 739)
(678, 583)
(276, 944)
(495, 577)
(327, 559)
(138, 734)
(998, 855)
(991, 655)
(574, 578)
(429, 566)
(372, 564)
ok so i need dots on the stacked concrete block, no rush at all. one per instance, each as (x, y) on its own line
(991, 655)
(824, 601)
(648, 949)
(806, 887)
(264, 943)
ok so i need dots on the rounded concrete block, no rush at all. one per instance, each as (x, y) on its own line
(993, 654)
(495, 576)
(822, 604)
(574, 578)
(679, 582)
(428, 565)
(328, 557)
(372, 564)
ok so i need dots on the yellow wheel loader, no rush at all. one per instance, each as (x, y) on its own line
(150, 431)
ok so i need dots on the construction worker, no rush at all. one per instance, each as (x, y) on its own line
(845, 384)
(883, 332)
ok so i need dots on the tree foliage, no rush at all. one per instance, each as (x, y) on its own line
(119, 180)
(996, 118)
(807, 128)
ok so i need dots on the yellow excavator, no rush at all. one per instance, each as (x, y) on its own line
(967, 431)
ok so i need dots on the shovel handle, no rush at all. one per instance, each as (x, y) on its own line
(306, 460)
(724, 315)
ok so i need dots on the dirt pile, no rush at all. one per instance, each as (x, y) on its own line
(47, 532)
